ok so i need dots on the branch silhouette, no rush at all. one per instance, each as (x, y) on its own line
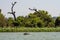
(13, 12)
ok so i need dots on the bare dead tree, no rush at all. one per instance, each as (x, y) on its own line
(13, 12)
(35, 10)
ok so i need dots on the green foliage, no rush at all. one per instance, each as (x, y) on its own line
(39, 18)
(24, 29)
(36, 19)
(39, 21)
(2, 20)
(20, 20)
(57, 21)
(10, 21)
(15, 23)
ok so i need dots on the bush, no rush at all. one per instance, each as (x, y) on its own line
(57, 21)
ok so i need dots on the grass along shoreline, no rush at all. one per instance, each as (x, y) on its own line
(24, 29)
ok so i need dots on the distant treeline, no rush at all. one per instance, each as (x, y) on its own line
(41, 19)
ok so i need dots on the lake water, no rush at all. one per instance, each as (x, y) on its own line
(32, 36)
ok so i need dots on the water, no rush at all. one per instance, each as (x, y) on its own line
(32, 36)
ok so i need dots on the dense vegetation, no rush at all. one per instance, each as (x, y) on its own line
(41, 19)
(24, 29)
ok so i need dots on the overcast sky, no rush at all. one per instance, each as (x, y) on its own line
(21, 7)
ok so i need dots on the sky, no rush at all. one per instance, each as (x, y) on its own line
(21, 7)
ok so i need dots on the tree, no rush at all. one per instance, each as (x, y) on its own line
(20, 20)
(2, 20)
(10, 21)
(57, 21)
(43, 15)
(13, 12)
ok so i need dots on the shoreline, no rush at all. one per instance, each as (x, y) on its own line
(24, 29)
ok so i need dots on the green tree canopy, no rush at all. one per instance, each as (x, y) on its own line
(2, 19)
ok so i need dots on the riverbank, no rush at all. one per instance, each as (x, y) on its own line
(24, 29)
